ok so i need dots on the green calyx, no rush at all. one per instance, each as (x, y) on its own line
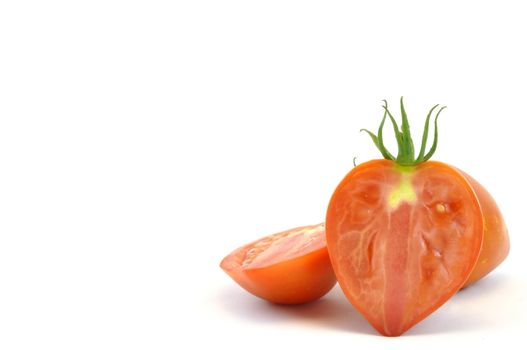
(406, 152)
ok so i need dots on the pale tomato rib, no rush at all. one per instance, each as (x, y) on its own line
(402, 246)
(396, 271)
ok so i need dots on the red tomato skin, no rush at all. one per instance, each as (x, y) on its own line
(294, 281)
(496, 244)
(396, 318)
(301, 280)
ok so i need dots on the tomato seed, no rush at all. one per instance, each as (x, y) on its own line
(441, 208)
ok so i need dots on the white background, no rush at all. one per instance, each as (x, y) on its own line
(141, 141)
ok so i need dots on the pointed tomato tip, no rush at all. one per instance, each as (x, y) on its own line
(389, 333)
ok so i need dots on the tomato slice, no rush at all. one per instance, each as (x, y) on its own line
(290, 267)
(403, 240)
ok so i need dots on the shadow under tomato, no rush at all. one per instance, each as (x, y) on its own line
(332, 311)
(480, 307)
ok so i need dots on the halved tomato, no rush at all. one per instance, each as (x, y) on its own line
(403, 240)
(290, 267)
(404, 233)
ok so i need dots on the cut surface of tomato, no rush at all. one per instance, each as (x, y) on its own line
(403, 239)
(290, 267)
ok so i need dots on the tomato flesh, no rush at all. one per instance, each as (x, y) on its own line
(402, 240)
(290, 267)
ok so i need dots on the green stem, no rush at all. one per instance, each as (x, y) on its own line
(405, 144)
